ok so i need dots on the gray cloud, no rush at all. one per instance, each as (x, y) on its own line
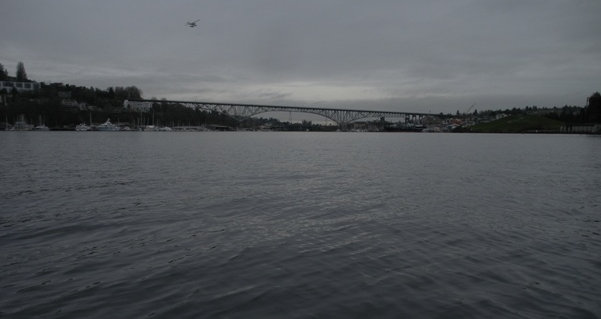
(424, 55)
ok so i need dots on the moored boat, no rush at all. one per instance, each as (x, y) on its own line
(22, 125)
(107, 126)
(41, 127)
(82, 127)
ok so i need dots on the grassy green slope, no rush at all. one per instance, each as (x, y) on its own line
(519, 124)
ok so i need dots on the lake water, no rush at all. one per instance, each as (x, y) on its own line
(299, 225)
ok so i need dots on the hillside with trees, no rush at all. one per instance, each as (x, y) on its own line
(63, 106)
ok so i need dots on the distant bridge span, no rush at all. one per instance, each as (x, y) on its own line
(342, 117)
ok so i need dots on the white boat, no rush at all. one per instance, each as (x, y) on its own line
(82, 127)
(107, 126)
(41, 128)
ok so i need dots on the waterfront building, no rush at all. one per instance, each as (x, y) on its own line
(11, 82)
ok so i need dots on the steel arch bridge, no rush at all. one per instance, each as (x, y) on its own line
(342, 117)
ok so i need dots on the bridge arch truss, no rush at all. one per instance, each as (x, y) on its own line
(342, 117)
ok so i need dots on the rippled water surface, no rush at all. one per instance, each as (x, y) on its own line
(299, 225)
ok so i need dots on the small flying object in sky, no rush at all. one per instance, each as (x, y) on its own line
(192, 24)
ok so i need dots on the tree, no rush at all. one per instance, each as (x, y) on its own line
(3, 73)
(133, 92)
(593, 108)
(21, 74)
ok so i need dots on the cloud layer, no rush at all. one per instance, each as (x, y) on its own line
(415, 55)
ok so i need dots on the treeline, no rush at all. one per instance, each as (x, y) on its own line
(58, 105)
(566, 114)
(166, 114)
(170, 114)
(61, 106)
(21, 75)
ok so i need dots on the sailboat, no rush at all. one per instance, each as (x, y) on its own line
(83, 127)
(21, 125)
(42, 126)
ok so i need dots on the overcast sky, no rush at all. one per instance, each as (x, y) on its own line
(410, 55)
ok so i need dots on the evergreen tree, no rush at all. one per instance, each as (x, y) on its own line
(3, 73)
(21, 74)
(593, 109)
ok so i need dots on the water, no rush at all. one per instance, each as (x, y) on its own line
(299, 225)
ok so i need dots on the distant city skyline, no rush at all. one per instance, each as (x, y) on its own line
(413, 56)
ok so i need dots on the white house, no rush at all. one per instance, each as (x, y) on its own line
(11, 83)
